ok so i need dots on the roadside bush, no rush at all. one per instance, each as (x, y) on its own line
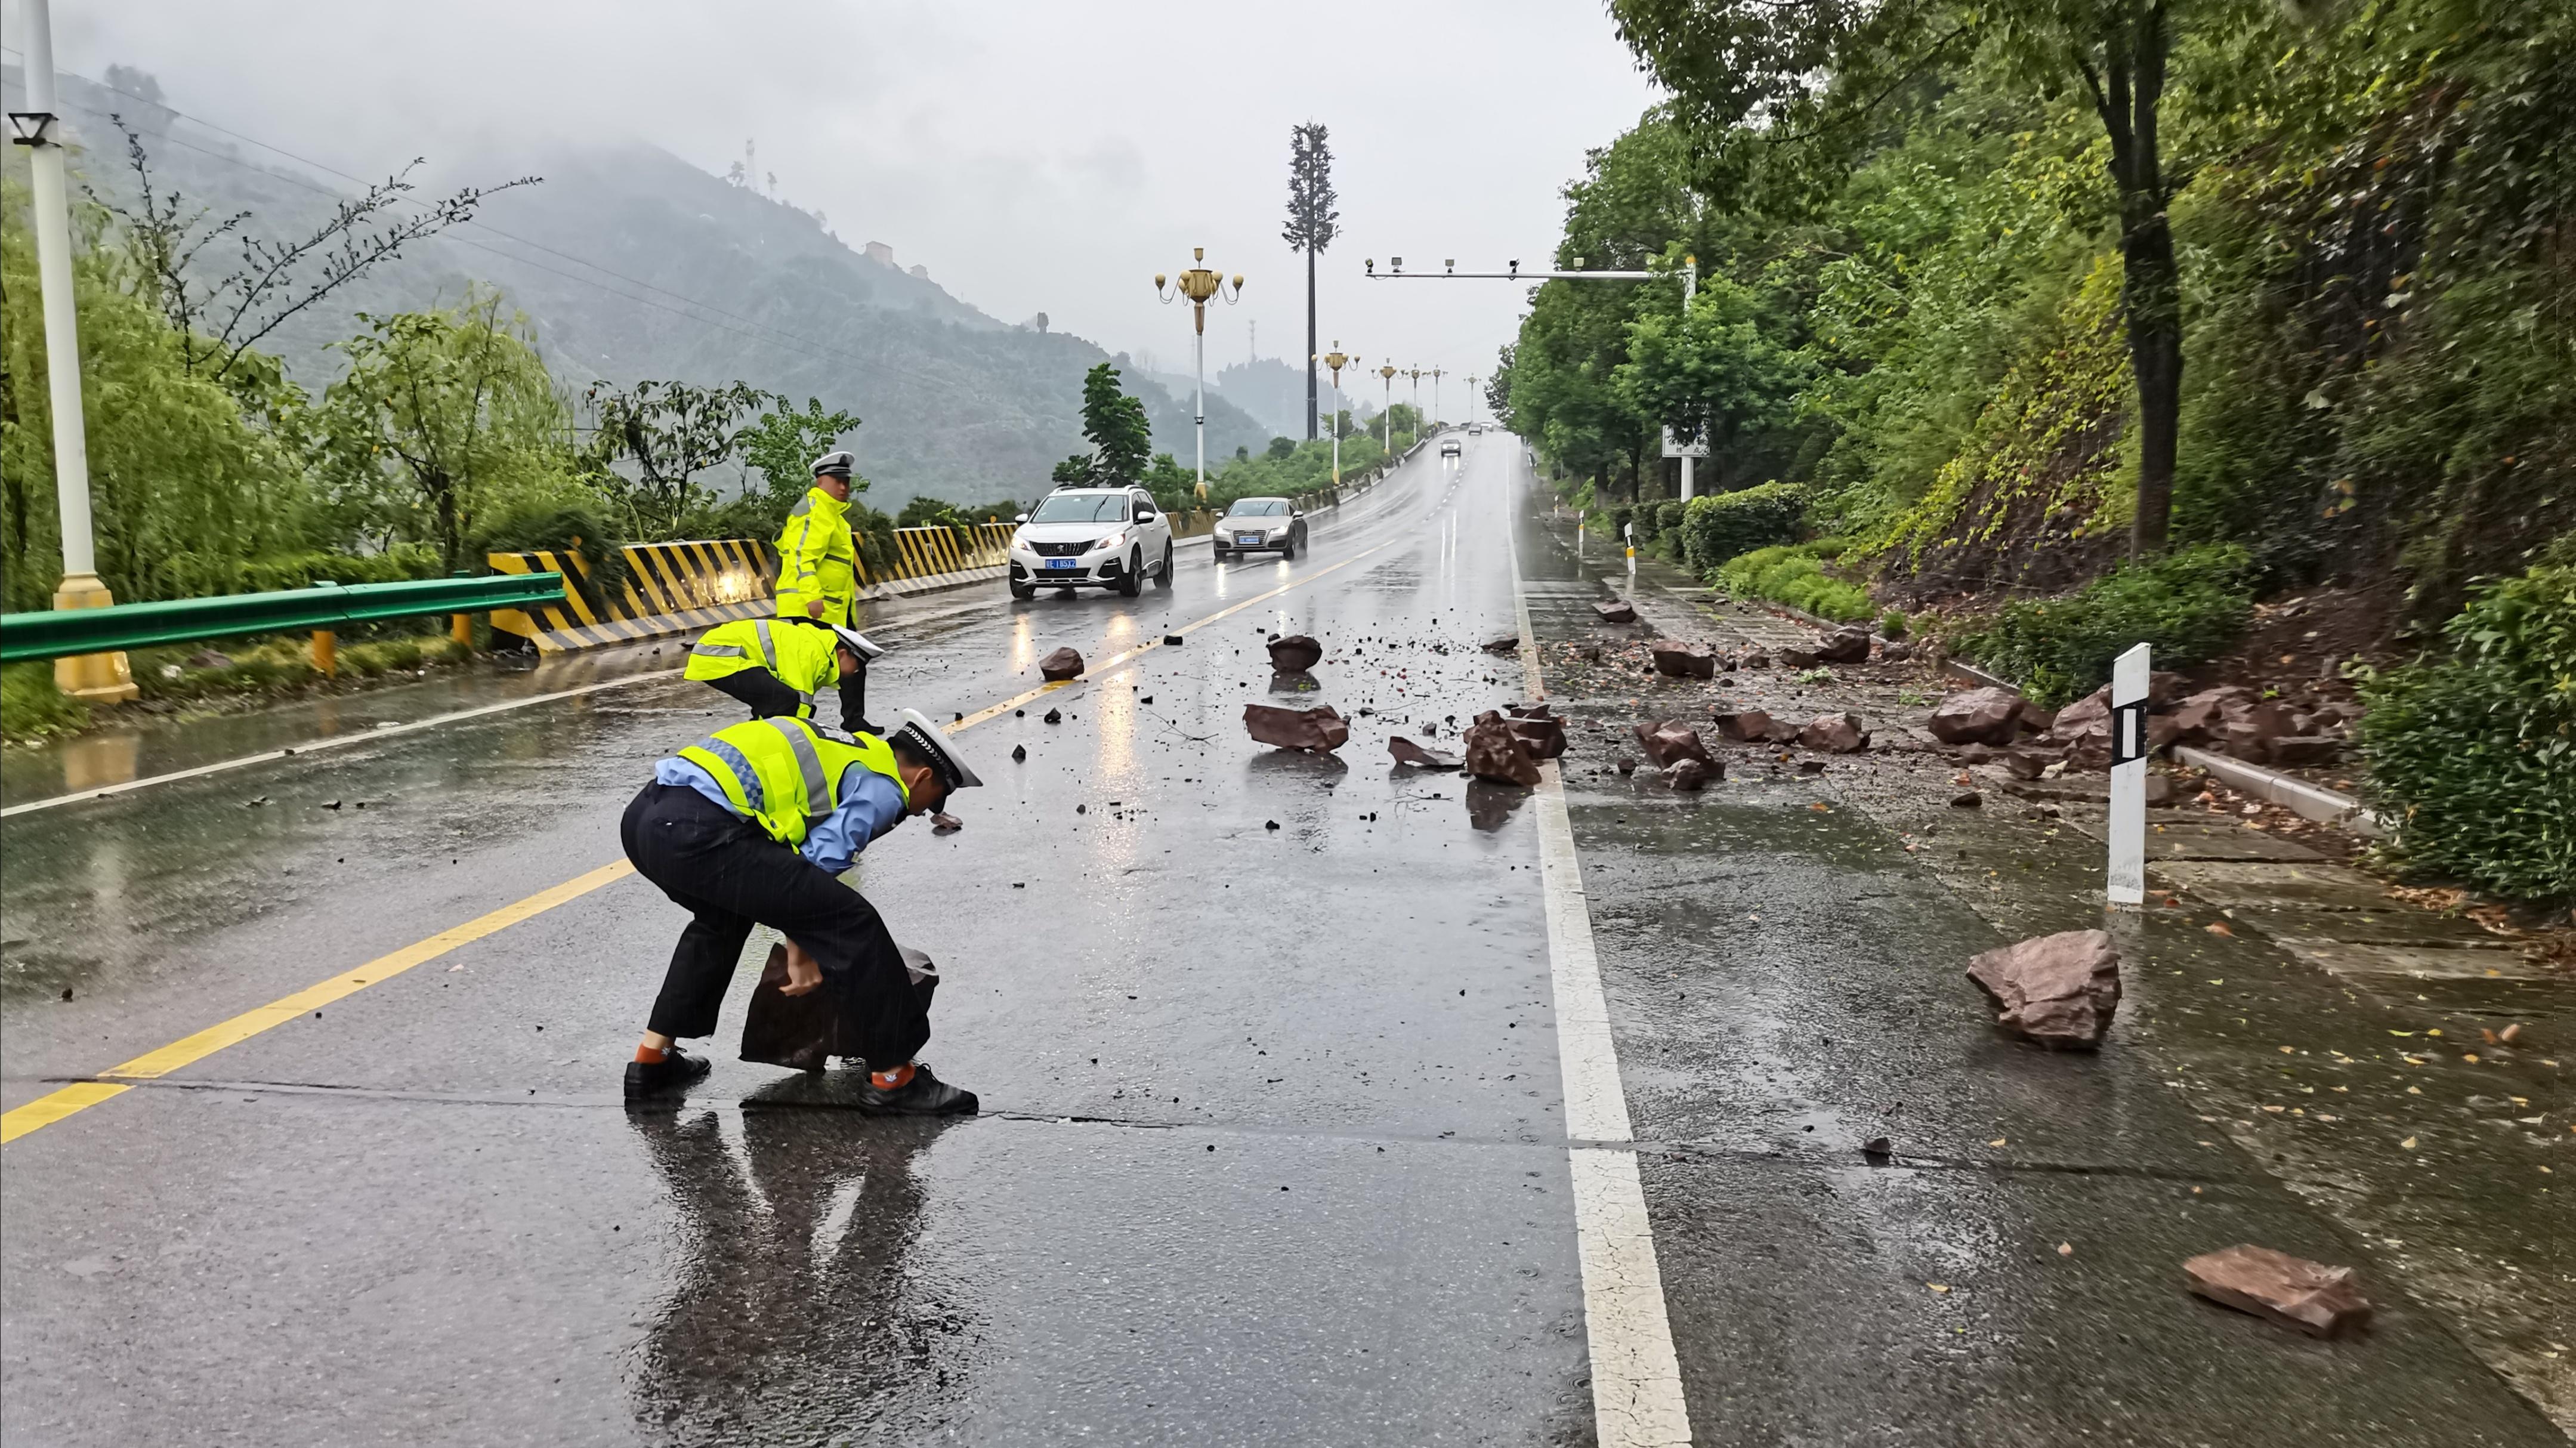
(200, 575)
(2188, 606)
(31, 708)
(1892, 624)
(2473, 753)
(1725, 525)
(1792, 575)
(582, 529)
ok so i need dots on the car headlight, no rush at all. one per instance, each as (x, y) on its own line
(1112, 541)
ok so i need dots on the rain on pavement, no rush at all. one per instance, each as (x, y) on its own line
(1275, 1141)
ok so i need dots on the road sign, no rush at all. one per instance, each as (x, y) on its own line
(1697, 447)
(2130, 681)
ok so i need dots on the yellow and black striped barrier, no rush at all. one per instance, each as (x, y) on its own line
(675, 588)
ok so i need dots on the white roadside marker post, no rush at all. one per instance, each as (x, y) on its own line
(2128, 826)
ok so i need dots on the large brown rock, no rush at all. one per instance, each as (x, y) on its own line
(1317, 728)
(1617, 610)
(2316, 1299)
(1495, 753)
(1671, 740)
(2292, 751)
(1780, 731)
(1060, 665)
(1408, 752)
(1690, 774)
(1295, 654)
(1845, 646)
(1744, 726)
(2059, 990)
(1684, 661)
(1799, 658)
(1977, 716)
(1543, 737)
(2030, 761)
(1834, 734)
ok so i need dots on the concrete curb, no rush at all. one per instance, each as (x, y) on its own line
(2301, 798)
(1970, 673)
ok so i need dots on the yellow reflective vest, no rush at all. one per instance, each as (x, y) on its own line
(786, 773)
(817, 558)
(803, 658)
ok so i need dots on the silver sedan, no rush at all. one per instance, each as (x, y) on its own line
(1260, 525)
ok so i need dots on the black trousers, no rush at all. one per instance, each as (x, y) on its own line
(730, 875)
(854, 685)
(760, 691)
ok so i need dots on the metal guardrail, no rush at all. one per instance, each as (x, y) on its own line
(62, 632)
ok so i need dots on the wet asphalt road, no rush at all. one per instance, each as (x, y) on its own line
(1274, 1140)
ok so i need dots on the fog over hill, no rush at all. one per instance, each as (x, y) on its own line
(632, 264)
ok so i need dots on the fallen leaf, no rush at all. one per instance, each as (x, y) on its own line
(2219, 927)
(2065, 1249)
(1938, 1286)
(1998, 1141)
(2408, 1143)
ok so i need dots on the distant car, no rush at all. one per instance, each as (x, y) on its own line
(1260, 525)
(1091, 538)
(1476, 429)
(1451, 447)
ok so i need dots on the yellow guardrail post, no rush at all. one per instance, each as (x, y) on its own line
(326, 653)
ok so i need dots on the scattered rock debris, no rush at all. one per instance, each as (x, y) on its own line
(1060, 665)
(2058, 990)
(2312, 1297)
(1319, 728)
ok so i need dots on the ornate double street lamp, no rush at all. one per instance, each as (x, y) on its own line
(1198, 284)
(1386, 411)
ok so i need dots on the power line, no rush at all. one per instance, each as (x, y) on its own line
(804, 342)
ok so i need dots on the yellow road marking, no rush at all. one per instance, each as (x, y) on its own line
(47, 1109)
(81, 1095)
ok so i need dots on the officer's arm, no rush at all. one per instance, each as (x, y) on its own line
(801, 558)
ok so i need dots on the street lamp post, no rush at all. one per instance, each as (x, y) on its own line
(1471, 399)
(1198, 284)
(1436, 375)
(98, 678)
(1336, 360)
(1386, 411)
(1416, 374)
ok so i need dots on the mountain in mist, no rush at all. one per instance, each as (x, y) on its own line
(1273, 391)
(631, 264)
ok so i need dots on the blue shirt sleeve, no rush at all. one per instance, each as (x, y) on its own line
(688, 772)
(871, 804)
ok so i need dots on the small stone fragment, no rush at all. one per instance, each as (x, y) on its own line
(1691, 774)
(1052, 716)
(1319, 728)
(1876, 1150)
(1295, 654)
(1743, 726)
(1977, 716)
(2058, 990)
(1060, 665)
(2317, 1299)
(1618, 610)
(1811, 766)
(1019, 754)
(1799, 658)
(943, 823)
(1968, 800)
(1542, 736)
(1893, 652)
(1670, 740)
(1756, 660)
(1270, 824)
(1845, 646)
(1624, 764)
(1834, 734)
(1408, 752)
(1507, 644)
(1684, 661)
(1495, 753)
(1174, 640)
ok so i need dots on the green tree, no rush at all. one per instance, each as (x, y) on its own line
(1763, 80)
(445, 414)
(1121, 439)
(1721, 366)
(667, 433)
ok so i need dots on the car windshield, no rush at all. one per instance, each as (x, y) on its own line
(1082, 508)
(1259, 508)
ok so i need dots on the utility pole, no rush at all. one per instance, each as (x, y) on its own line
(1472, 399)
(1435, 394)
(1416, 374)
(1336, 361)
(96, 678)
(1198, 284)
(1690, 289)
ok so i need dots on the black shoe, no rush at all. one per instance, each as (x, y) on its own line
(923, 1095)
(668, 1076)
(866, 727)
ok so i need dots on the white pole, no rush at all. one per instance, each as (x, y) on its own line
(100, 677)
(2130, 674)
(1690, 289)
(1198, 369)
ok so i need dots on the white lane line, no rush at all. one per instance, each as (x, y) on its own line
(1636, 1376)
(336, 741)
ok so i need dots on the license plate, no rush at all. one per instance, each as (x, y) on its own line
(1247, 540)
(1055, 565)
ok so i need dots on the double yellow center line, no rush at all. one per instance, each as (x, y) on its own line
(152, 1065)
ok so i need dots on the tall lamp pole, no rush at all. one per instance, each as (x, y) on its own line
(1416, 374)
(1435, 394)
(1386, 411)
(97, 678)
(1336, 360)
(1472, 397)
(1198, 284)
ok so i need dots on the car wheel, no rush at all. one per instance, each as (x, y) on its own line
(1023, 591)
(1163, 575)
(1131, 580)
(1216, 553)
(1288, 548)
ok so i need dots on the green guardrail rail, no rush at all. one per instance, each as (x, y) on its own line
(62, 632)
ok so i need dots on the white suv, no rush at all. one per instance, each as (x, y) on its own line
(1091, 538)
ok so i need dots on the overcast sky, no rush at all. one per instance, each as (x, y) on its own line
(1035, 157)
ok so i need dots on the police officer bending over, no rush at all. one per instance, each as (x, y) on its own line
(777, 670)
(750, 826)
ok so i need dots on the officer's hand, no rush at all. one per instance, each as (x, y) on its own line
(804, 972)
(814, 608)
